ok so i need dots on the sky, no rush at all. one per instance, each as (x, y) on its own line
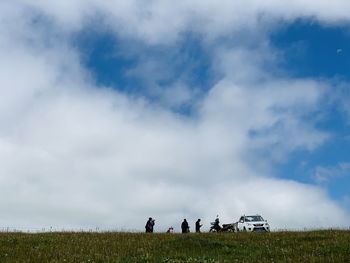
(115, 111)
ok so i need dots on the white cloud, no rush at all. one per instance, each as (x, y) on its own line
(162, 21)
(325, 174)
(76, 155)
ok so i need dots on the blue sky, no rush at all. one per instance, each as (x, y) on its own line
(316, 51)
(308, 50)
(112, 62)
(129, 108)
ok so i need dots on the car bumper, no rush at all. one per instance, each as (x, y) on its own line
(258, 228)
(261, 229)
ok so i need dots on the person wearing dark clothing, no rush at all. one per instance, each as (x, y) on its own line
(149, 225)
(152, 224)
(198, 226)
(185, 227)
(216, 225)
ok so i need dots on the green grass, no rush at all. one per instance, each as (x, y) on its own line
(317, 246)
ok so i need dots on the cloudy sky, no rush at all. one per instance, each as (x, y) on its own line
(114, 111)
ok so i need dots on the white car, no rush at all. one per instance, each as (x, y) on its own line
(253, 223)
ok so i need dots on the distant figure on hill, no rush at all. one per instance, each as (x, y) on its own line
(198, 226)
(185, 227)
(170, 230)
(215, 226)
(149, 225)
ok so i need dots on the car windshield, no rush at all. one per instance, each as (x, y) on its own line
(253, 218)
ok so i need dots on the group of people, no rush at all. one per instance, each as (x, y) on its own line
(185, 228)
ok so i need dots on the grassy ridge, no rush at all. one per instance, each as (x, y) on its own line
(318, 246)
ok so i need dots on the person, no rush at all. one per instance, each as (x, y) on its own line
(198, 226)
(152, 224)
(149, 225)
(216, 225)
(170, 230)
(185, 227)
(217, 222)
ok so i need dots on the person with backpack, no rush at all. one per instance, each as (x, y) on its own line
(185, 227)
(149, 225)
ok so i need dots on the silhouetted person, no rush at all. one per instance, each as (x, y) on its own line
(215, 225)
(185, 227)
(149, 225)
(217, 222)
(198, 226)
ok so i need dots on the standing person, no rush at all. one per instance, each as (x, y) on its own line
(198, 226)
(149, 225)
(185, 227)
(152, 224)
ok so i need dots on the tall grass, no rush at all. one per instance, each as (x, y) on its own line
(315, 246)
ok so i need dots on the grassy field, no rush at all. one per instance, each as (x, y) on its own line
(318, 246)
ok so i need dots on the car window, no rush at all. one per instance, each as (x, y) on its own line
(253, 218)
